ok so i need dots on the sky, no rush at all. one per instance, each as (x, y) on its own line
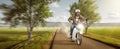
(109, 10)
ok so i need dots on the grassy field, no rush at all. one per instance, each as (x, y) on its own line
(11, 36)
(110, 35)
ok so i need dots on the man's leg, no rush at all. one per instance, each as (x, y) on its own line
(71, 31)
(73, 26)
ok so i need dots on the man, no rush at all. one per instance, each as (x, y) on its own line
(75, 20)
(72, 25)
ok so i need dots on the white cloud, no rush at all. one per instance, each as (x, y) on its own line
(109, 10)
(61, 18)
(110, 20)
(52, 11)
(1, 16)
(67, 8)
(55, 4)
(114, 15)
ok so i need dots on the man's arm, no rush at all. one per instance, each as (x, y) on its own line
(70, 19)
(83, 18)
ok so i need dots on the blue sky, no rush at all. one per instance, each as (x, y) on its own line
(61, 10)
(109, 10)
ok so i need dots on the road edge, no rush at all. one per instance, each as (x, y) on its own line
(52, 40)
(117, 47)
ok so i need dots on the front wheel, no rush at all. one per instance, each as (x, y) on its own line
(79, 39)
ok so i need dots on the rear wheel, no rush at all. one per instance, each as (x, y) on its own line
(79, 39)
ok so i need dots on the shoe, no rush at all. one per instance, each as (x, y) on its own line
(72, 40)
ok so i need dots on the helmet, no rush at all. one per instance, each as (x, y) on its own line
(77, 10)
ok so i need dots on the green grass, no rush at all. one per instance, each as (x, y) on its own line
(11, 36)
(110, 35)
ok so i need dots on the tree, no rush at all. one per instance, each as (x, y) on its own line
(87, 8)
(28, 12)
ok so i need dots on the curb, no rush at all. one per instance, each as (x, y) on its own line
(117, 47)
(51, 44)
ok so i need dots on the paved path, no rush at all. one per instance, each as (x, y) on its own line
(62, 42)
